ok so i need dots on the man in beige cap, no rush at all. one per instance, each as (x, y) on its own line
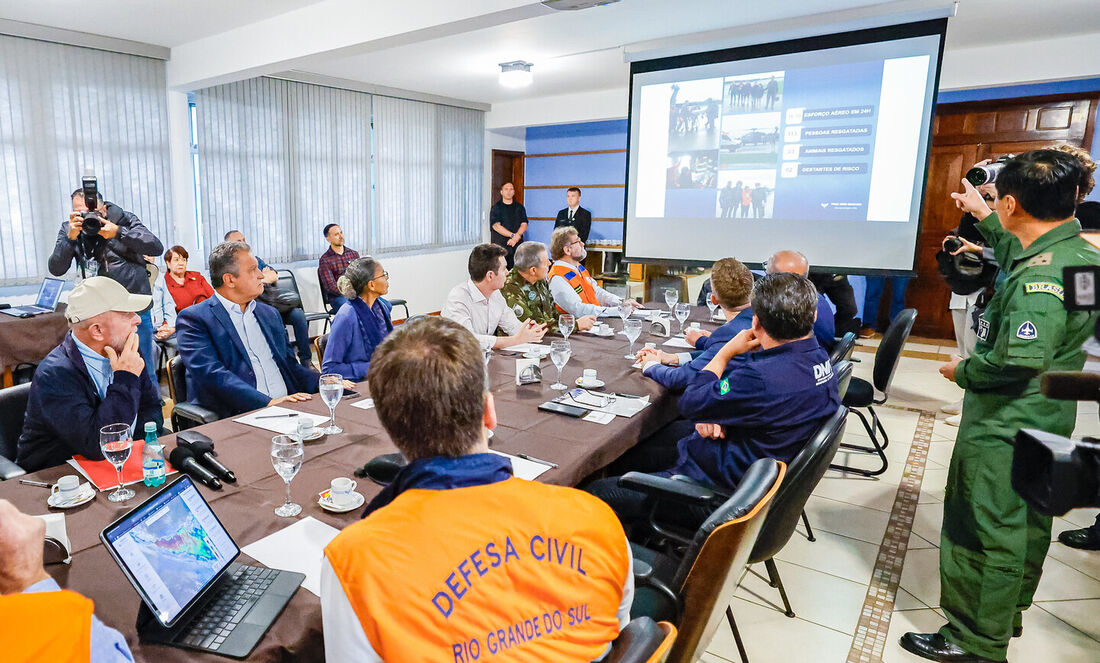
(94, 378)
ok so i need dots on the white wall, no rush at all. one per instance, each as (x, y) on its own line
(1065, 58)
(580, 107)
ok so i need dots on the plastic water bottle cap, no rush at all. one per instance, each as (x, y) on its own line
(150, 426)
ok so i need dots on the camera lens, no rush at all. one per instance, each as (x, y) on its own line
(952, 244)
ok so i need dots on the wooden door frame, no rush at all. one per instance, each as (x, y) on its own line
(518, 164)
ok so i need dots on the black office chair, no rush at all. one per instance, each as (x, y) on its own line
(843, 372)
(184, 415)
(13, 408)
(642, 641)
(861, 393)
(845, 346)
(288, 282)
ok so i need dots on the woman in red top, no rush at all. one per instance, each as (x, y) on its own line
(186, 287)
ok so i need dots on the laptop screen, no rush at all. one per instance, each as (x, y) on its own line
(49, 293)
(172, 548)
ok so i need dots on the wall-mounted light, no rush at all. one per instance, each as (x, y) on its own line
(515, 74)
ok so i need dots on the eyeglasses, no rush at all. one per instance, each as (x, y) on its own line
(383, 275)
(576, 241)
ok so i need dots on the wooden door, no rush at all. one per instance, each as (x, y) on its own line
(964, 134)
(507, 167)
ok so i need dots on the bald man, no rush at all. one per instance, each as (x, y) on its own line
(793, 262)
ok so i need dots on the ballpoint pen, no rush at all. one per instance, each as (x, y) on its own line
(276, 416)
(42, 484)
(536, 460)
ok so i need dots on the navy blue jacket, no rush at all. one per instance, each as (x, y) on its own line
(824, 326)
(349, 347)
(219, 373)
(677, 378)
(769, 405)
(65, 412)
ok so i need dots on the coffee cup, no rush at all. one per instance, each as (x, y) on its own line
(305, 427)
(604, 328)
(588, 376)
(695, 325)
(340, 491)
(67, 488)
(651, 345)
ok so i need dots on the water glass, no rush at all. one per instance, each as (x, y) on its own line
(332, 389)
(566, 323)
(632, 329)
(116, 441)
(672, 295)
(559, 354)
(683, 311)
(711, 305)
(286, 457)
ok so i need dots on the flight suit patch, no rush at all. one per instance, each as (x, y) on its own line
(724, 387)
(1027, 331)
(983, 329)
(1041, 259)
(1047, 287)
(531, 295)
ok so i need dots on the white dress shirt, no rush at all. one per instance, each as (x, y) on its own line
(269, 381)
(480, 314)
(567, 298)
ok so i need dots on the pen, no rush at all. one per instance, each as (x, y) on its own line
(536, 460)
(43, 484)
(276, 416)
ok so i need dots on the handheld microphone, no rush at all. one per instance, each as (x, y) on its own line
(1071, 386)
(202, 447)
(183, 460)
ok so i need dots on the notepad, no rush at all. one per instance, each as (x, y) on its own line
(298, 547)
(675, 342)
(523, 468)
(286, 425)
(365, 404)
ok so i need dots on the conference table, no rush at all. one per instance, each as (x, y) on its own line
(246, 508)
(29, 340)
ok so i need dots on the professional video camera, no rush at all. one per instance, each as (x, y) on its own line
(987, 174)
(93, 223)
(1053, 473)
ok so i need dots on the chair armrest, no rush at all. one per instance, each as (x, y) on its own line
(643, 577)
(9, 470)
(680, 490)
(196, 414)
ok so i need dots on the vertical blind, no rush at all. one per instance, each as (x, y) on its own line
(428, 174)
(280, 160)
(64, 109)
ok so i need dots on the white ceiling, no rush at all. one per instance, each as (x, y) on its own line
(572, 51)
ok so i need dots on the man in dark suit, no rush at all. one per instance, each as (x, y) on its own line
(234, 347)
(575, 215)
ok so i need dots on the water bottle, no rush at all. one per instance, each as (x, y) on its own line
(152, 457)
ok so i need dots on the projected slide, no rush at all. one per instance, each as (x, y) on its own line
(802, 149)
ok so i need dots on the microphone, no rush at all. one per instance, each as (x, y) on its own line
(1071, 386)
(202, 447)
(183, 460)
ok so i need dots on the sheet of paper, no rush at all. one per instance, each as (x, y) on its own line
(646, 313)
(298, 547)
(55, 529)
(523, 468)
(287, 425)
(598, 417)
(543, 350)
(678, 343)
(365, 404)
(589, 400)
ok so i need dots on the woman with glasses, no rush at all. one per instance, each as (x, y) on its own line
(358, 328)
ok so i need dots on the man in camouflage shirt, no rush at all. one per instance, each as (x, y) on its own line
(528, 293)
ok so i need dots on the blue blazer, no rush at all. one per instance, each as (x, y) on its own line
(349, 349)
(824, 326)
(677, 378)
(219, 373)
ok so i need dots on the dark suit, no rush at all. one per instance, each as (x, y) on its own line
(582, 221)
(219, 373)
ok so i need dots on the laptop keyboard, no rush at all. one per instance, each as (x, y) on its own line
(221, 615)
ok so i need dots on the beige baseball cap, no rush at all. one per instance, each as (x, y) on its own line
(100, 294)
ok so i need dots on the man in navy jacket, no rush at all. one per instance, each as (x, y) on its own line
(94, 378)
(793, 262)
(234, 347)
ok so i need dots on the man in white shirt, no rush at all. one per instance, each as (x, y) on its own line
(478, 305)
(574, 290)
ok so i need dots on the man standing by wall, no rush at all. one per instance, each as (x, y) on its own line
(574, 215)
(508, 221)
(332, 264)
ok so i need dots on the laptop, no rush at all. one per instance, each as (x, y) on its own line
(48, 295)
(180, 559)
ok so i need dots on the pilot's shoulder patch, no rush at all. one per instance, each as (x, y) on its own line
(1041, 259)
(1047, 287)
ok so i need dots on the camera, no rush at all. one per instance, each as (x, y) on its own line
(987, 174)
(92, 221)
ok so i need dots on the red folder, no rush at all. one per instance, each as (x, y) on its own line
(103, 476)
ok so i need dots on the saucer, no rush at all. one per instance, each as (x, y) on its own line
(86, 494)
(327, 504)
(595, 384)
(317, 434)
(610, 333)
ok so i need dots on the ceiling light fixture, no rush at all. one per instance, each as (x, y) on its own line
(515, 74)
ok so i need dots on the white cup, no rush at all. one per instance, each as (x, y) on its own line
(67, 488)
(604, 328)
(305, 427)
(588, 376)
(340, 490)
(651, 345)
(694, 325)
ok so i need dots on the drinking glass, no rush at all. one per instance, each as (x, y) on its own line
(683, 311)
(286, 457)
(711, 305)
(632, 329)
(672, 295)
(332, 388)
(566, 323)
(559, 354)
(624, 311)
(115, 441)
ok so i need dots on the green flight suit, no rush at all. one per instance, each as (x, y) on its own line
(530, 300)
(992, 545)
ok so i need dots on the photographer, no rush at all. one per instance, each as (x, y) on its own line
(113, 243)
(993, 544)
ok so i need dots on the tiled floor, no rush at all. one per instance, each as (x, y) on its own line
(827, 580)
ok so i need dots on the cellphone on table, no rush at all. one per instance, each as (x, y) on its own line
(561, 408)
(348, 393)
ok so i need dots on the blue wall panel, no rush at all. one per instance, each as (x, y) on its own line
(580, 169)
(580, 137)
(603, 203)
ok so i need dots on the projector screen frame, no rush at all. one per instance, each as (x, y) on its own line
(930, 27)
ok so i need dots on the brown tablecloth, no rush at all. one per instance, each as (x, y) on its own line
(247, 507)
(30, 339)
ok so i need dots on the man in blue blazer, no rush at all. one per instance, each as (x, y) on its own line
(234, 347)
(793, 262)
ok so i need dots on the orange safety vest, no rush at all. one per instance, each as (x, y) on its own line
(578, 279)
(46, 626)
(510, 571)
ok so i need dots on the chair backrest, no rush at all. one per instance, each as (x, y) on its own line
(13, 406)
(324, 295)
(322, 343)
(177, 380)
(715, 559)
(642, 641)
(843, 372)
(889, 350)
(804, 473)
(844, 348)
